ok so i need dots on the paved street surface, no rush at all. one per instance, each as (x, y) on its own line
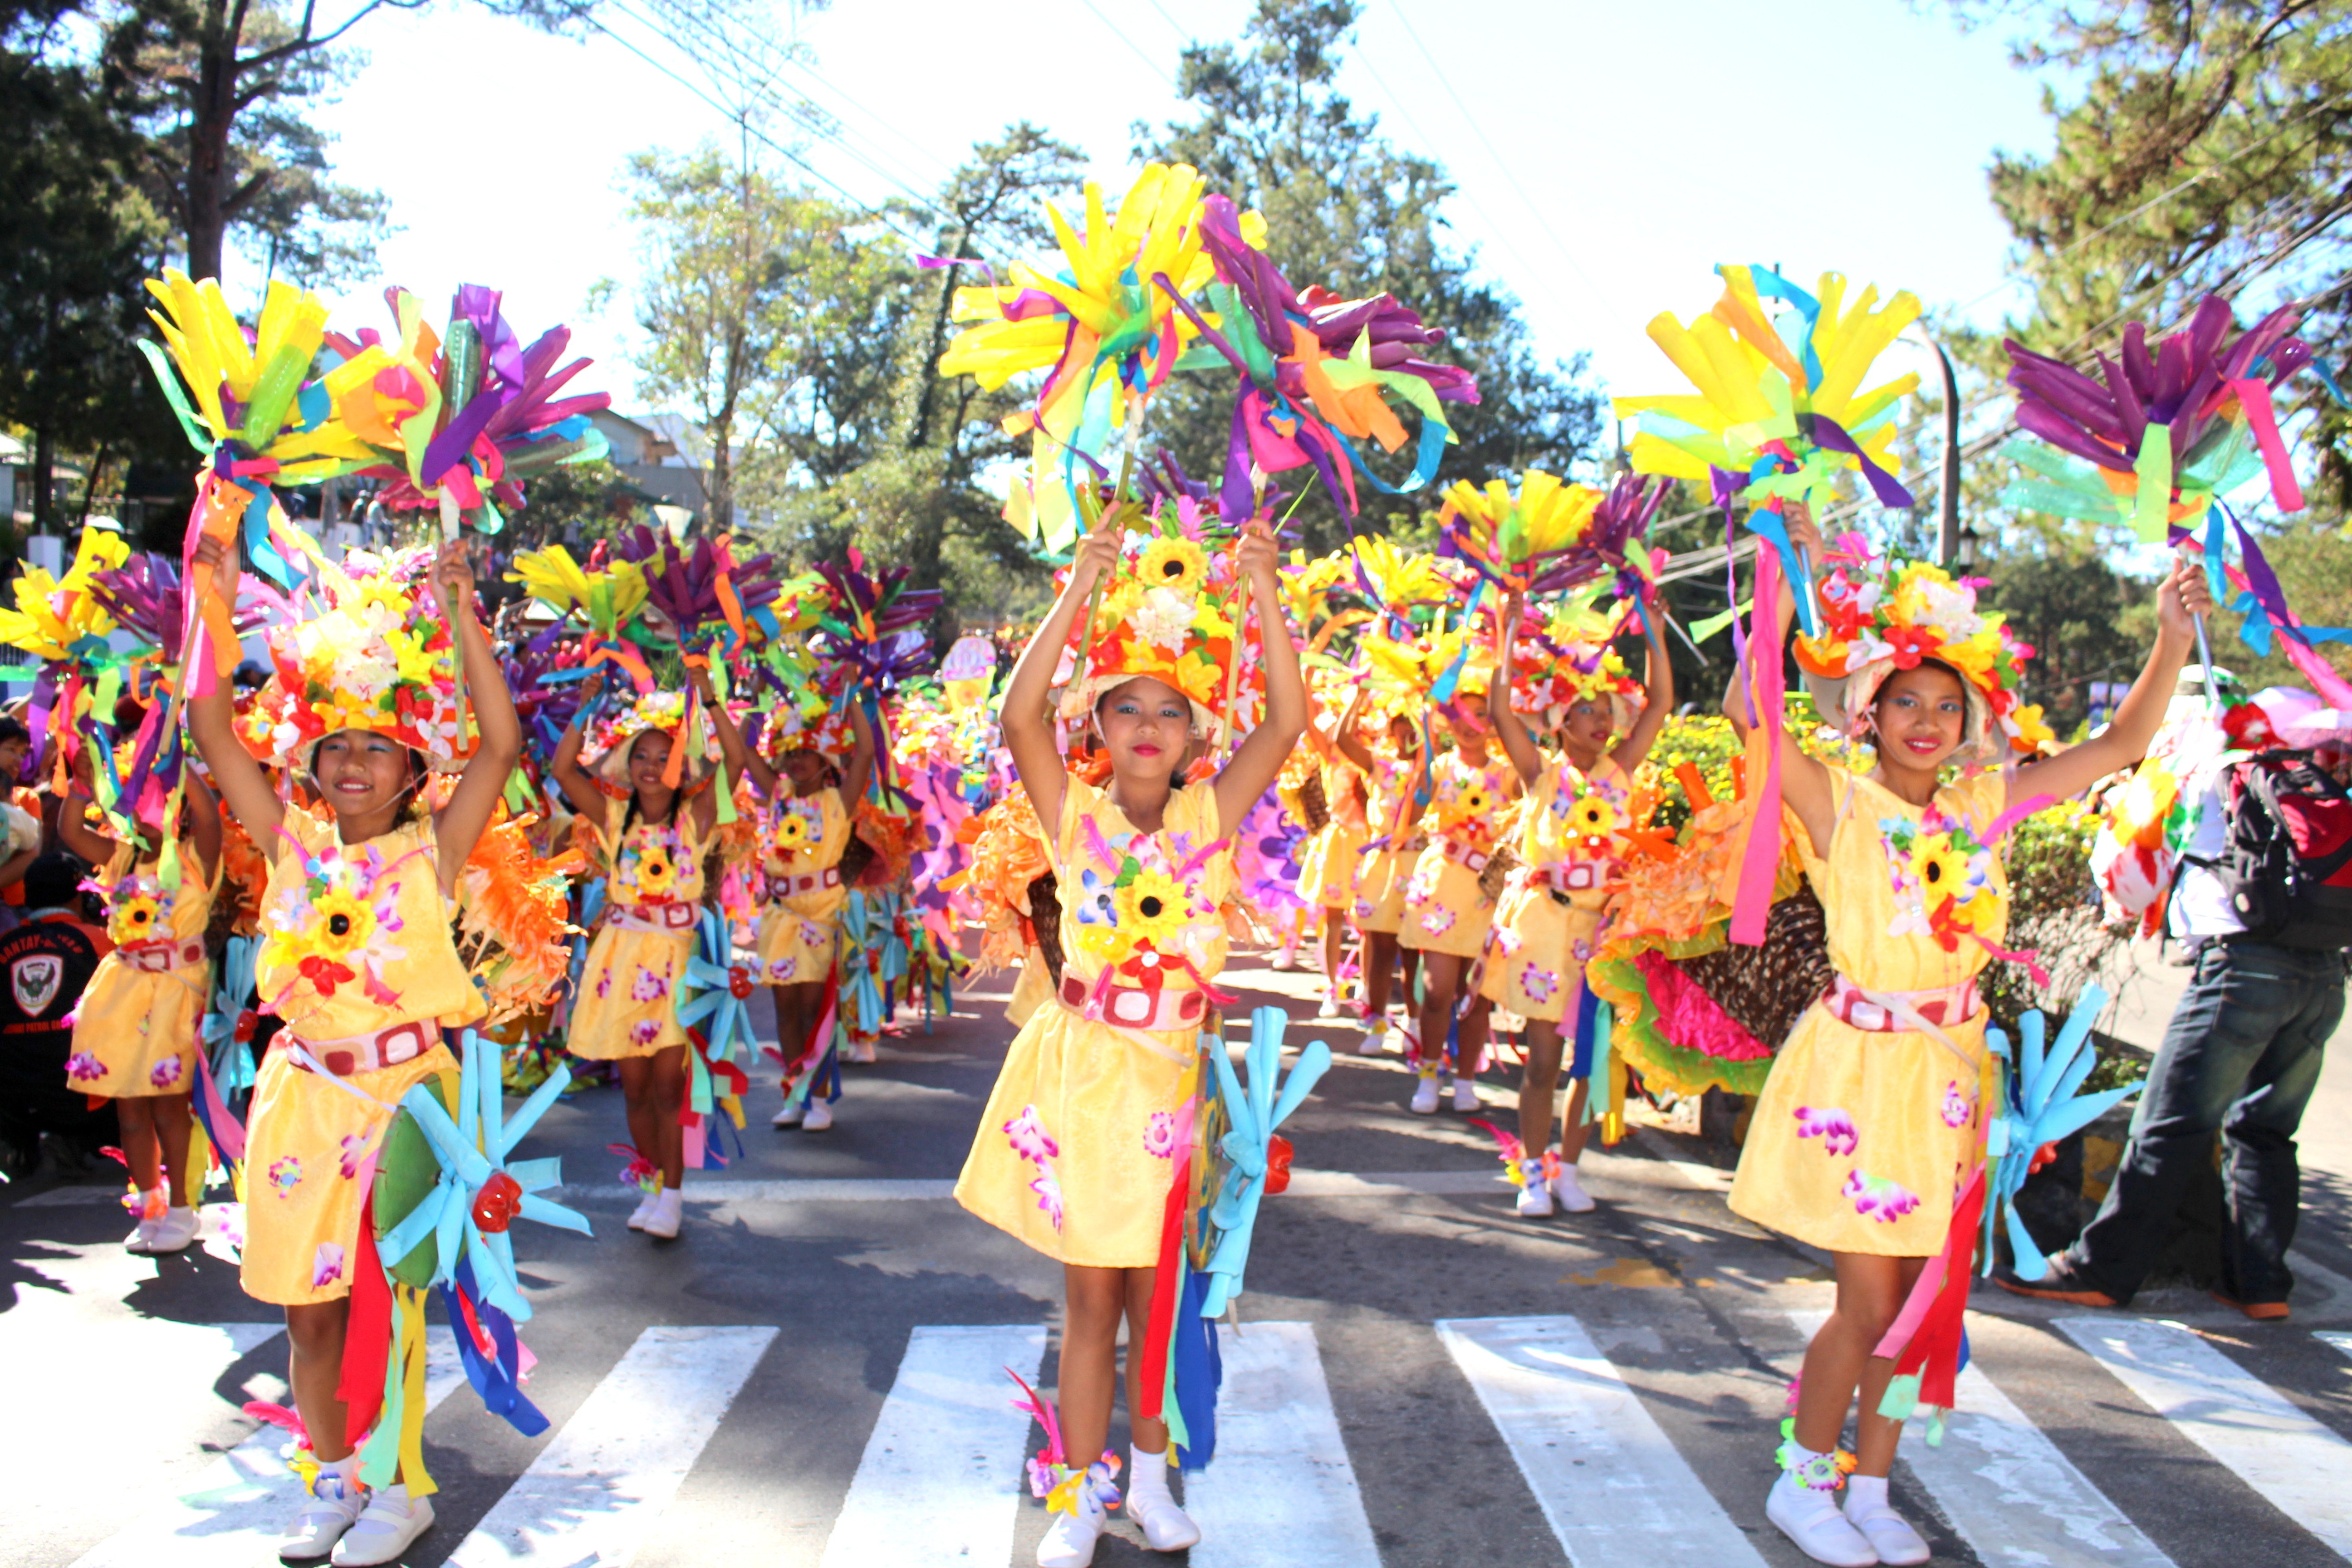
(812, 1373)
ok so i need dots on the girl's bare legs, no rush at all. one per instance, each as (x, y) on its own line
(1096, 1299)
(1380, 966)
(1870, 1293)
(1152, 1437)
(1442, 976)
(1470, 1053)
(1335, 945)
(314, 1365)
(1572, 1125)
(655, 1088)
(1539, 1087)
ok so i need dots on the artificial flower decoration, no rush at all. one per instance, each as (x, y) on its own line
(1179, 629)
(1881, 614)
(339, 929)
(1594, 816)
(378, 655)
(248, 403)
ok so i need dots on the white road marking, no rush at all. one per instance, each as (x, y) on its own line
(941, 1478)
(2006, 1489)
(911, 1189)
(2339, 1338)
(594, 1492)
(1611, 1482)
(230, 1515)
(2303, 1467)
(1281, 1477)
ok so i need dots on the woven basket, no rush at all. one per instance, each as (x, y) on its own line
(1765, 990)
(1045, 917)
(1498, 867)
(1313, 803)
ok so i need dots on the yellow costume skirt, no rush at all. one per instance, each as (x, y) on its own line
(1445, 910)
(307, 1142)
(627, 1005)
(797, 949)
(1533, 967)
(135, 1032)
(1327, 872)
(1081, 1139)
(1861, 1140)
(1379, 891)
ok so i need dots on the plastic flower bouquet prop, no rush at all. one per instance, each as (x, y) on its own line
(444, 1195)
(457, 420)
(1553, 536)
(1176, 611)
(872, 625)
(1103, 327)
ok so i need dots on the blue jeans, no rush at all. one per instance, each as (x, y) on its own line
(2240, 1058)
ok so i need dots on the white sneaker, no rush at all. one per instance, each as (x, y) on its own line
(790, 1116)
(1811, 1520)
(1166, 1526)
(861, 1050)
(819, 1116)
(1571, 1191)
(1330, 1008)
(668, 1211)
(332, 1507)
(1374, 1040)
(1466, 1094)
(1535, 1194)
(1425, 1094)
(1286, 959)
(645, 1209)
(175, 1231)
(386, 1529)
(1888, 1532)
(1070, 1543)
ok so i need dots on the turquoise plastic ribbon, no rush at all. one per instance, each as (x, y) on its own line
(1255, 1113)
(707, 1003)
(2039, 1105)
(233, 982)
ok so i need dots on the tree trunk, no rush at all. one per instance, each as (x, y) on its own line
(45, 478)
(211, 112)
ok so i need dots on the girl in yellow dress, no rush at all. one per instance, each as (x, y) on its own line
(1549, 917)
(356, 959)
(1391, 774)
(1328, 871)
(804, 829)
(135, 1031)
(1870, 1129)
(1447, 913)
(652, 826)
(1075, 1155)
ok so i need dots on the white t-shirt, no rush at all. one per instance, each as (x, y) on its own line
(2200, 907)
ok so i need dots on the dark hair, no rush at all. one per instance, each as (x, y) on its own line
(1925, 663)
(14, 730)
(53, 878)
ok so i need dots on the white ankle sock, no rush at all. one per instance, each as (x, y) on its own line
(1865, 1495)
(1146, 1472)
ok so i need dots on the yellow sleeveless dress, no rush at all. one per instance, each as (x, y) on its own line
(1862, 1139)
(1446, 909)
(1078, 1147)
(355, 940)
(627, 1005)
(1391, 844)
(135, 1032)
(1545, 930)
(802, 835)
(1328, 871)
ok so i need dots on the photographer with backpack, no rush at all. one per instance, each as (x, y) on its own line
(2263, 898)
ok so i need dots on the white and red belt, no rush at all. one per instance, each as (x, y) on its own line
(1463, 855)
(787, 885)
(160, 955)
(1133, 1006)
(651, 917)
(1570, 876)
(1885, 1012)
(363, 1053)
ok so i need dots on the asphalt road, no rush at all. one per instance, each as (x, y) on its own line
(808, 1374)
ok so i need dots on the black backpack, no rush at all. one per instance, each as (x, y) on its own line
(2286, 859)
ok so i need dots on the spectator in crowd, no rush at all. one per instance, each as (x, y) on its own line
(45, 962)
(21, 830)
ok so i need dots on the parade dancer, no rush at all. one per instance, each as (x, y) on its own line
(1549, 916)
(626, 1011)
(134, 1034)
(358, 962)
(1388, 850)
(1327, 880)
(1873, 1116)
(1075, 1154)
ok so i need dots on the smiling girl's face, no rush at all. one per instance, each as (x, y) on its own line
(1465, 721)
(648, 757)
(1921, 716)
(805, 769)
(1587, 730)
(1145, 725)
(361, 775)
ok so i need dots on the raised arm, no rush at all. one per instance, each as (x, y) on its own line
(1658, 676)
(1804, 781)
(204, 824)
(1350, 743)
(2124, 740)
(1258, 761)
(741, 761)
(1028, 733)
(861, 758)
(580, 790)
(1518, 744)
(458, 825)
(211, 723)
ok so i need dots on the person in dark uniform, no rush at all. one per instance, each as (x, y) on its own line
(45, 962)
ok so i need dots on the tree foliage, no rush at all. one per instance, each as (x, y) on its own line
(1346, 208)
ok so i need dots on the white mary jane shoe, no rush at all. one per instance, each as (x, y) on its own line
(1070, 1543)
(385, 1530)
(1888, 1532)
(331, 1506)
(1166, 1526)
(1811, 1520)
(1571, 1191)
(645, 1209)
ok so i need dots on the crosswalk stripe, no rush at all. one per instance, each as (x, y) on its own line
(233, 1512)
(1281, 1474)
(2293, 1461)
(1609, 1481)
(2339, 1338)
(948, 1436)
(594, 1492)
(2006, 1489)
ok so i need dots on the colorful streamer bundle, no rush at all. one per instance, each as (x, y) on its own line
(1553, 536)
(703, 595)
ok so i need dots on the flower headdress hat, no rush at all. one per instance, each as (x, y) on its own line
(378, 655)
(1169, 612)
(1879, 616)
(1551, 673)
(616, 737)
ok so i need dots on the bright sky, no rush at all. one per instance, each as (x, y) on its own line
(1608, 155)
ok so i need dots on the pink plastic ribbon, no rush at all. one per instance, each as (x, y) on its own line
(2254, 398)
(1761, 857)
